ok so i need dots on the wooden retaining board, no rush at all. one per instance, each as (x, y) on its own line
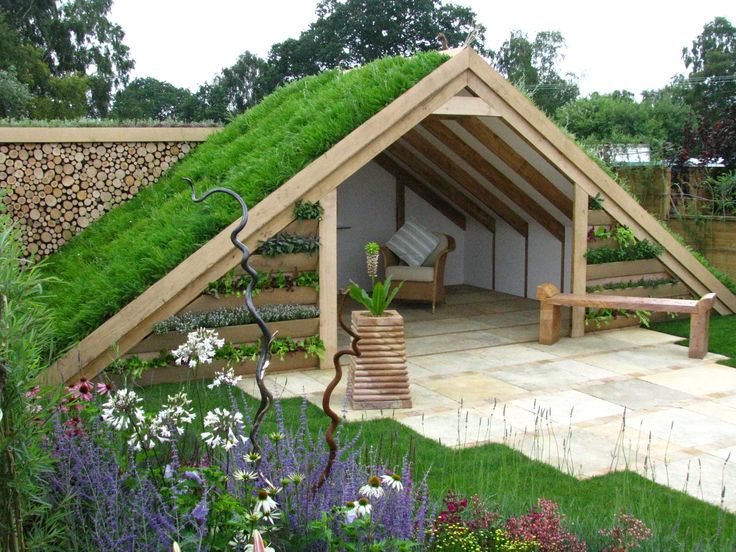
(277, 296)
(246, 333)
(179, 374)
(633, 269)
(291, 262)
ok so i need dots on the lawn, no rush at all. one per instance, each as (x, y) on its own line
(513, 482)
(722, 334)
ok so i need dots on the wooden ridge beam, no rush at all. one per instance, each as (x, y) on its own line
(442, 161)
(433, 179)
(461, 106)
(183, 283)
(517, 163)
(404, 178)
(495, 177)
(536, 129)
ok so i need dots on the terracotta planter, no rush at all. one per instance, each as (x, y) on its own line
(378, 378)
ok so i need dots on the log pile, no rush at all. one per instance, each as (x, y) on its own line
(53, 191)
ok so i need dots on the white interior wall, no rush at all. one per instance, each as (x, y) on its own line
(478, 255)
(432, 219)
(509, 259)
(366, 211)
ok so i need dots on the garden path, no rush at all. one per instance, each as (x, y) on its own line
(620, 399)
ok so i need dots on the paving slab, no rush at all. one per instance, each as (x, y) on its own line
(683, 427)
(471, 386)
(552, 375)
(701, 379)
(570, 406)
(635, 394)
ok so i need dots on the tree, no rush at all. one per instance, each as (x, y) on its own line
(711, 132)
(149, 98)
(617, 118)
(75, 38)
(354, 32)
(532, 67)
(15, 98)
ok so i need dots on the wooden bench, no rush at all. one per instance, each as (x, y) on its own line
(552, 301)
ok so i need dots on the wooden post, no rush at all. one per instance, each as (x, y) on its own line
(579, 263)
(550, 316)
(328, 278)
(700, 327)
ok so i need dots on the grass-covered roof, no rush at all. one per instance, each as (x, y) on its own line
(134, 245)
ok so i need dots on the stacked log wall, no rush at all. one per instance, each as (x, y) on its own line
(55, 183)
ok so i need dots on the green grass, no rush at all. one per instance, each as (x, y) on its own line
(507, 478)
(722, 334)
(137, 243)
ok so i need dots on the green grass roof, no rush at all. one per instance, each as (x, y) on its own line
(134, 245)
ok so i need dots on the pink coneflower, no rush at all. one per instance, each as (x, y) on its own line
(104, 388)
(82, 390)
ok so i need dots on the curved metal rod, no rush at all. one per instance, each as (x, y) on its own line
(265, 355)
(329, 435)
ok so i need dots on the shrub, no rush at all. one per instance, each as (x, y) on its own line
(285, 243)
(306, 210)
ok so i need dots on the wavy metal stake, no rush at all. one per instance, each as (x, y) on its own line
(265, 356)
(329, 435)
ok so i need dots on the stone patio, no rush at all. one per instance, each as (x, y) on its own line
(621, 399)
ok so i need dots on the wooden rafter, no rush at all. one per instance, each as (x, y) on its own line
(180, 286)
(403, 178)
(535, 129)
(518, 164)
(495, 177)
(439, 183)
(435, 156)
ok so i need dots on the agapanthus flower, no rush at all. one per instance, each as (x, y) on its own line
(83, 390)
(373, 488)
(199, 349)
(173, 416)
(264, 503)
(225, 377)
(121, 409)
(392, 481)
(223, 426)
(363, 508)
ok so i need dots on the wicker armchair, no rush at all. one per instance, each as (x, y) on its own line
(421, 283)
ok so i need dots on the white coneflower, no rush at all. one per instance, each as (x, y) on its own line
(199, 349)
(251, 457)
(226, 377)
(276, 436)
(242, 475)
(363, 508)
(223, 426)
(122, 408)
(272, 516)
(351, 511)
(373, 488)
(264, 503)
(393, 481)
(295, 477)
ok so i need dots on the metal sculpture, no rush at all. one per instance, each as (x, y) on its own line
(329, 435)
(265, 355)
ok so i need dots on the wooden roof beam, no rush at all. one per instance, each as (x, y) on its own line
(433, 179)
(527, 203)
(518, 164)
(434, 155)
(460, 106)
(422, 190)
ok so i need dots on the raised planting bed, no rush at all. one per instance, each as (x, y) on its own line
(296, 295)
(169, 341)
(598, 274)
(290, 262)
(175, 374)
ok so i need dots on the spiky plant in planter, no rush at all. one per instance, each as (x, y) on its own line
(379, 381)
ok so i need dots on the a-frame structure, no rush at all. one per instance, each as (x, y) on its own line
(431, 138)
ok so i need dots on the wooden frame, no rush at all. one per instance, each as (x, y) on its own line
(465, 70)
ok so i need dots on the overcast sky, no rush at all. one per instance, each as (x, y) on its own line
(632, 45)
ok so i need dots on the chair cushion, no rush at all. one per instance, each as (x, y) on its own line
(413, 243)
(441, 246)
(400, 273)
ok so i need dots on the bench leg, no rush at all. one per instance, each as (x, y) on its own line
(550, 323)
(699, 334)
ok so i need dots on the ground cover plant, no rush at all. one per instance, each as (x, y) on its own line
(511, 484)
(722, 334)
(235, 284)
(120, 255)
